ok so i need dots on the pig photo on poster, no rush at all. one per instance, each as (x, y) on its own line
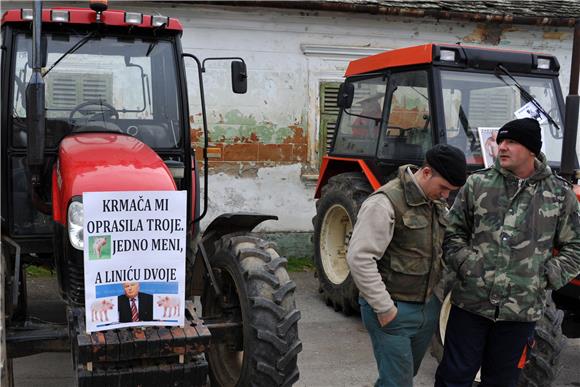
(134, 255)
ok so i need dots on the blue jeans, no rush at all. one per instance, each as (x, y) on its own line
(400, 346)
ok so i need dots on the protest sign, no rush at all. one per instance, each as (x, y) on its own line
(134, 258)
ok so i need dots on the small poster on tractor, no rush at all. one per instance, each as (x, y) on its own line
(489, 147)
(134, 257)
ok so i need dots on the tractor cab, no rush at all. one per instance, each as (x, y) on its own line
(97, 80)
(398, 104)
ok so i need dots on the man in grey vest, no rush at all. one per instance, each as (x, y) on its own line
(394, 257)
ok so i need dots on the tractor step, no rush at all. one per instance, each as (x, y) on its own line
(147, 356)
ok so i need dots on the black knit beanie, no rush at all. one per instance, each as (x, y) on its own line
(449, 162)
(526, 131)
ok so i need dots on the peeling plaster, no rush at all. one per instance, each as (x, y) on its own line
(235, 127)
(485, 33)
(556, 35)
(276, 191)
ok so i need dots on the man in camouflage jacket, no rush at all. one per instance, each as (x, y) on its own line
(502, 230)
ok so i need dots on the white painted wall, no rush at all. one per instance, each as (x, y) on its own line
(288, 54)
(275, 191)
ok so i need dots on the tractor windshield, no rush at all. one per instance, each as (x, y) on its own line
(96, 83)
(476, 105)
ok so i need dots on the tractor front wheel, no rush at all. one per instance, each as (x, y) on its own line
(336, 213)
(257, 301)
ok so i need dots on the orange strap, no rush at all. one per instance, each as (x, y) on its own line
(522, 361)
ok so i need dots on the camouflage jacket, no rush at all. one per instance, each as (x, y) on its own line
(500, 238)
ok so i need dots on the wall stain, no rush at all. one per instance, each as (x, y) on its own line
(239, 141)
(485, 33)
(555, 35)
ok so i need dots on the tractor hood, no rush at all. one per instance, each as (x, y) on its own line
(99, 162)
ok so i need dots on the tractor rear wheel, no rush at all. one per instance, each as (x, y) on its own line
(257, 301)
(543, 362)
(336, 213)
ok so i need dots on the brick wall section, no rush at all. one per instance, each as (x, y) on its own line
(293, 149)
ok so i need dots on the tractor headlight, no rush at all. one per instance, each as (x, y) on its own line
(75, 225)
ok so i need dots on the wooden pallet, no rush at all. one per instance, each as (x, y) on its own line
(142, 356)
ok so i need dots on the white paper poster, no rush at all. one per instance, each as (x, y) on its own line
(530, 110)
(134, 256)
(489, 147)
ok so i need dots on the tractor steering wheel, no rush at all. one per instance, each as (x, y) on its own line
(99, 114)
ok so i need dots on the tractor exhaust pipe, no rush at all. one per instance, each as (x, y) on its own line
(569, 156)
(35, 96)
(35, 111)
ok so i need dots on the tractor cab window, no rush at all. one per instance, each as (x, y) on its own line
(407, 134)
(94, 83)
(476, 105)
(360, 124)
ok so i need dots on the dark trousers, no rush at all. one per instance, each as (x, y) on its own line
(472, 341)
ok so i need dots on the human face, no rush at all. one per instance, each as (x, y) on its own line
(436, 187)
(131, 289)
(516, 158)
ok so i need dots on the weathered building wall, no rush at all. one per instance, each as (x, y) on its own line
(267, 139)
(264, 144)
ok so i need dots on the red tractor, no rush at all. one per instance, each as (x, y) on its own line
(95, 100)
(396, 105)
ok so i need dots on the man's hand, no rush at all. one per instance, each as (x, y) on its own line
(386, 317)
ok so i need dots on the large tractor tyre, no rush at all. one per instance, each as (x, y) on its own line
(336, 213)
(6, 375)
(257, 302)
(543, 361)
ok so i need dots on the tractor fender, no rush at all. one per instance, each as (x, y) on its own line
(204, 249)
(229, 223)
(100, 162)
(334, 165)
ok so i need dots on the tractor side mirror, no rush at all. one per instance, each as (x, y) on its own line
(239, 77)
(345, 95)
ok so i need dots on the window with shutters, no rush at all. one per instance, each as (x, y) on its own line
(328, 116)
